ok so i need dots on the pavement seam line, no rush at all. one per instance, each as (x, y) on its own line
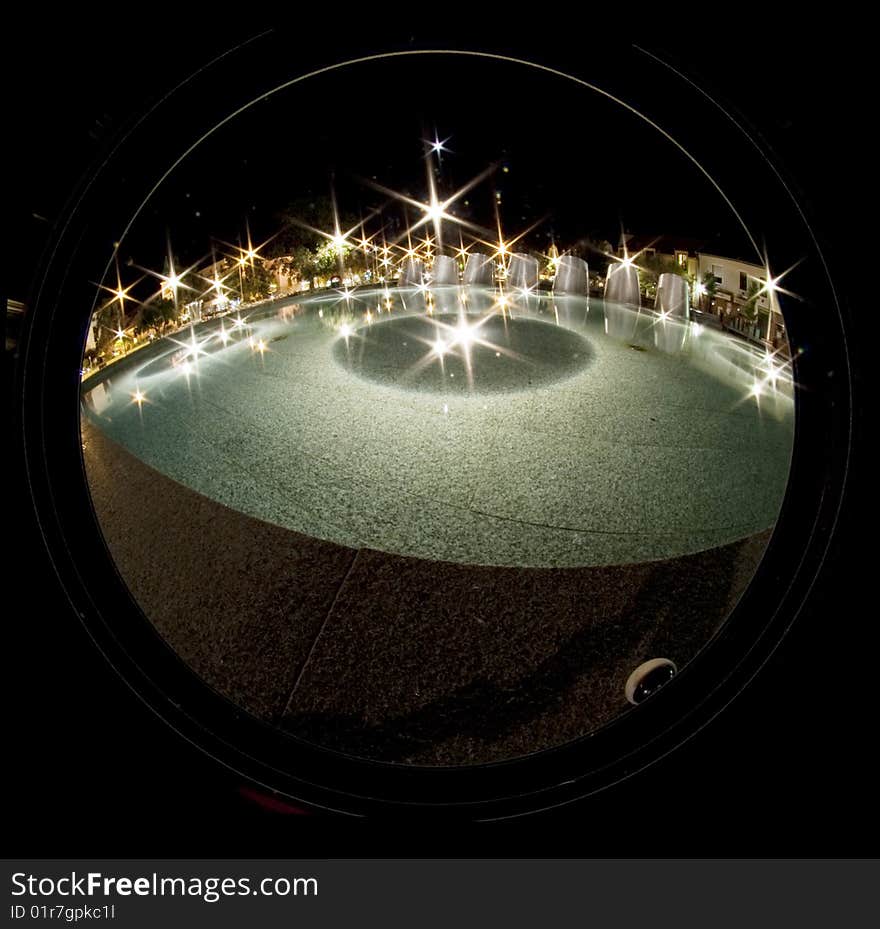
(330, 610)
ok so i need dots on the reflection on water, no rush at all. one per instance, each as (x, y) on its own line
(621, 322)
(479, 352)
(669, 335)
(99, 397)
(461, 328)
(466, 424)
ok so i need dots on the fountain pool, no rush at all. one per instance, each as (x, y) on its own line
(463, 425)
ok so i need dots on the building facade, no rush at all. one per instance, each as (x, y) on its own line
(736, 283)
(730, 289)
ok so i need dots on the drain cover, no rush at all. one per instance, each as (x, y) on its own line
(648, 678)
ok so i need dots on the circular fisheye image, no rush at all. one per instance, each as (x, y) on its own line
(423, 435)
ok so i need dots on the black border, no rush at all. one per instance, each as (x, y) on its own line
(52, 445)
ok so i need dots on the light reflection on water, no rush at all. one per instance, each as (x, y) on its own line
(721, 356)
(642, 438)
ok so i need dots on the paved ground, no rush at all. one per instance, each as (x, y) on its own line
(573, 447)
(396, 658)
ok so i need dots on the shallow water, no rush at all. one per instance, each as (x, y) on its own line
(543, 432)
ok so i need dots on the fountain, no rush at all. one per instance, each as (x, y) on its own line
(412, 273)
(572, 276)
(420, 392)
(523, 271)
(445, 271)
(622, 283)
(672, 296)
(480, 269)
(671, 303)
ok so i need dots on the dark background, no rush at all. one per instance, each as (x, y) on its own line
(89, 769)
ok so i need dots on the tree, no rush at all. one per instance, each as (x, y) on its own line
(256, 281)
(750, 308)
(304, 263)
(710, 284)
(652, 266)
(314, 255)
(326, 260)
(595, 252)
(157, 314)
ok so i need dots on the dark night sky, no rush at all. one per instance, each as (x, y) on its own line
(586, 177)
(574, 157)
